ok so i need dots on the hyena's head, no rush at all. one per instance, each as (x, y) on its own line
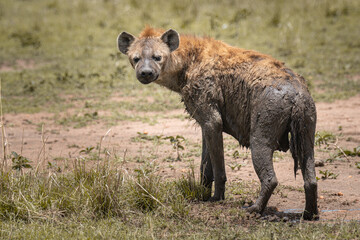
(148, 55)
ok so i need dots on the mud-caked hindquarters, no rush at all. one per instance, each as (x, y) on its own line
(271, 113)
(270, 119)
(244, 99)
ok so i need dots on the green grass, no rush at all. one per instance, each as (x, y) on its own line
(153, 228)
(108, 203)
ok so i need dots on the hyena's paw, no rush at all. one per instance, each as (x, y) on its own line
(216, 198)
(254, 209)
(310, 216)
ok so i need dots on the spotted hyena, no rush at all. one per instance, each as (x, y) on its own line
(251, 96)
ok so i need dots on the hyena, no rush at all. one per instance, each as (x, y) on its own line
(251, 96)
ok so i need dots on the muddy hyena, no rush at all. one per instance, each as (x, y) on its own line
(251, 96)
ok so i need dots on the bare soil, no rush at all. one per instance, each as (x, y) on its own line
(20, 64)
(338, 198)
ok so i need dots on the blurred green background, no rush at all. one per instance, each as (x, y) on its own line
(57, 54)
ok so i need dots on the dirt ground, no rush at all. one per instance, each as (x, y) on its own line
(338, 198)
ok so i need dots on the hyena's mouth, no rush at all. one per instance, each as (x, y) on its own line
(147, 79)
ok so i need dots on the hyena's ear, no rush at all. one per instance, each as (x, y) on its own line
(172, 39)
(124, 41)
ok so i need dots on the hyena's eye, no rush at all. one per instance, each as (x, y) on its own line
(157, 58)
(136, 59)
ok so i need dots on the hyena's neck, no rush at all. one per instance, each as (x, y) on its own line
(173, 75)
(186, 59)
(181, 61)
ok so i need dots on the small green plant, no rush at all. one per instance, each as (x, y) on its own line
(324, 138)
(344, 153)
(87, 150)
(177, 144)
(235, 166)
(328, 175)
(19, 162)
(357, 164)
(236, 154)
(352, 153)
(334, 157)
(144, 136)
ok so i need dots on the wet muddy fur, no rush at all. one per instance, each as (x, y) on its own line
(251, 96)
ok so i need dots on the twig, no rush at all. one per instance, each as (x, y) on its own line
(340, 149)
(343, 153)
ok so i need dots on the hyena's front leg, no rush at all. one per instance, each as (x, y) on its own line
(206, 171)
(212, 131)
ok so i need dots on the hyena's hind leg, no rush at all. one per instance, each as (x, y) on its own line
(310, 186)
(266, 130)
(262, 160)
(303, 126)
(211, 126)
(309, 175)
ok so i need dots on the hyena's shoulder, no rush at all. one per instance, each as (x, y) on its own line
(211, 58)
(209, 50)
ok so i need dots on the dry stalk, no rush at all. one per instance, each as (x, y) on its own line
(101, 140)
(3, 136)
(340, 149)
(22, 142)
(42, 150)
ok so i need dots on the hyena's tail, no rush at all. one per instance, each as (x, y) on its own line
(302, 130)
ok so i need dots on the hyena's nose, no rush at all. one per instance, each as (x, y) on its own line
(146, 73)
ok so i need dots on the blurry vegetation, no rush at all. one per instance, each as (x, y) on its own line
(72, 45)
(357, 164)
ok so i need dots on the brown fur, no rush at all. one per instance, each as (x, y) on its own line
(249, 95)
(150, 32)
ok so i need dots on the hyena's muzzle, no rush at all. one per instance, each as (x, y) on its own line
(147, 69)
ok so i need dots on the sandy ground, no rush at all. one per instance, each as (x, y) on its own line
(338, 198)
